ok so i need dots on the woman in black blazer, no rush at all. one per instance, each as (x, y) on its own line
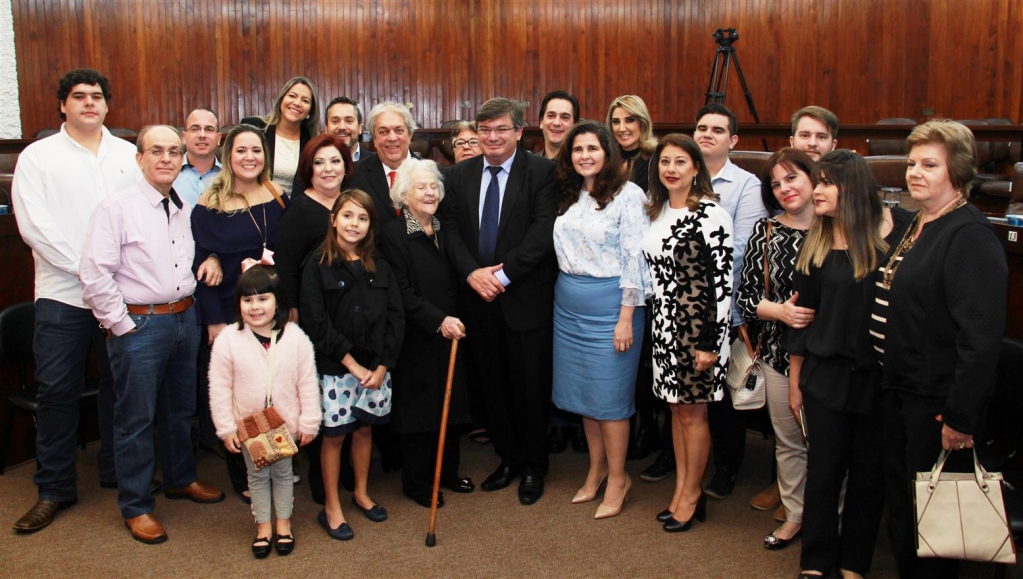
(414, 245)
(294, 120)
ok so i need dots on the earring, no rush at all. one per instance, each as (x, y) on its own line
(694, 181)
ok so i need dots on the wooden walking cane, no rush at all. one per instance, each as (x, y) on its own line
(431, 535)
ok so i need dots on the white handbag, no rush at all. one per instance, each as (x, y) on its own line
(745, 379)
(962, 515)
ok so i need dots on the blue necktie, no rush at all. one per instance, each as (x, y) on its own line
(491, 219)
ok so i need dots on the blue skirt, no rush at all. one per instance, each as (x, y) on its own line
(590, 379)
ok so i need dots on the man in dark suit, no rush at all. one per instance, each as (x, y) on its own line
(391, 125)
(500, 209)
(344, 119)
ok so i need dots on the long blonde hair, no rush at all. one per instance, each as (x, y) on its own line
(635, 106)
(858, 217)
(311, 123)
(222, 187)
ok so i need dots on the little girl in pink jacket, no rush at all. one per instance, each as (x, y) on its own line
(239, 365)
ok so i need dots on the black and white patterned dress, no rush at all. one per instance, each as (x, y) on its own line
(689, 254)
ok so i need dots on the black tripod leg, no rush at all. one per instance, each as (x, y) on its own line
(749, 97)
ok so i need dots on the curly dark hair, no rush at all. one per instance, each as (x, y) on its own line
(608, 182)
(89, 76)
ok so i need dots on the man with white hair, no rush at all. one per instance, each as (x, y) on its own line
(391, 125)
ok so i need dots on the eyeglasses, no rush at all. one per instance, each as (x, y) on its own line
(473, 143)
(158, 152)
(196, 129)
(500, 131)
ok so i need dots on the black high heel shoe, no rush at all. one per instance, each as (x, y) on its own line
(673, 525)
(664, 516)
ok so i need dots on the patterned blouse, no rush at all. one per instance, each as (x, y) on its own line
(606, 243)
(785, 244)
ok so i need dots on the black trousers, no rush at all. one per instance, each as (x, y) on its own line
(515, 369)
(420, 454)
(841, 443)
(727, 435)
(912, 444)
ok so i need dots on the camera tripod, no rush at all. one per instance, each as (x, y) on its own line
(723, 58)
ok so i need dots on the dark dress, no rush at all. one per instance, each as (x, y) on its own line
(428, 289)
(638, 166)
(301, 231)
(233, 236)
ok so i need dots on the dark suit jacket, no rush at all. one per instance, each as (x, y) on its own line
(297, 186)
(371, 177)
(525, 236)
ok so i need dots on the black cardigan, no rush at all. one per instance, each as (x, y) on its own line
(946, 316)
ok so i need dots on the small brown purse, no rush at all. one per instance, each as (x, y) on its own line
(264, 433)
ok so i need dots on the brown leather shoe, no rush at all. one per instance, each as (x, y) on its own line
(40, 515)
(196, 492)
(767, 499)
(146, 529)
(779, 514)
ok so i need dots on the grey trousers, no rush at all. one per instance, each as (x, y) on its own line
(282, 492)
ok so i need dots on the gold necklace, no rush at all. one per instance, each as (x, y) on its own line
(908, 241)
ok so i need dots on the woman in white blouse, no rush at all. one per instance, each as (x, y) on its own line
(598, 238)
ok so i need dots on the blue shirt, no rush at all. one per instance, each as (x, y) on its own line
(740, 197)
(502, 182)
(190, 184)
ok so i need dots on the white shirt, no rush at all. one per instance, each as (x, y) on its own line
(740, 197)
(57, 185)
(285, 168)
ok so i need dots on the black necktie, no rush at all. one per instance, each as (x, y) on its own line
(166, 208)
(491, 218)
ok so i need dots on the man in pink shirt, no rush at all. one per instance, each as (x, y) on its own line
(136, 275)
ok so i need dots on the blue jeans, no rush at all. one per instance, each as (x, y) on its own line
(154, 378)
(63, 334)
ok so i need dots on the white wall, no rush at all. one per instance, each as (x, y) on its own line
(10, 108)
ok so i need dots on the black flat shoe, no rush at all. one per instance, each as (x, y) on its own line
(376, 513)
(500, 478)
(664, 516)
(342, 533)
(424, 500)
(458, 485)
(261, 547)
(775, 543)
(557, 440)
(285, 547)
(530, 489)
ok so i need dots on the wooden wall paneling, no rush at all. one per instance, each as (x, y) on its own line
(865, 59)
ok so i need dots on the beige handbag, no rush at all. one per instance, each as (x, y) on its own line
(962, 515)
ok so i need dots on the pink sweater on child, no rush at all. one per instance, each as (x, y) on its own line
(238, 367)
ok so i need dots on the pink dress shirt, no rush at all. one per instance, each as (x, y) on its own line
(135, 253)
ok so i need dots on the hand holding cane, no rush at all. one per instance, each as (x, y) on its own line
(431, 536)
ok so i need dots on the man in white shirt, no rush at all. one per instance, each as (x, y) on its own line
(740, 196)
(344, 119)
(58, 183)
(202, 136)
(136, 274)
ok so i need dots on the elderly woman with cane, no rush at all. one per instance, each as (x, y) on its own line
(414, 246)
